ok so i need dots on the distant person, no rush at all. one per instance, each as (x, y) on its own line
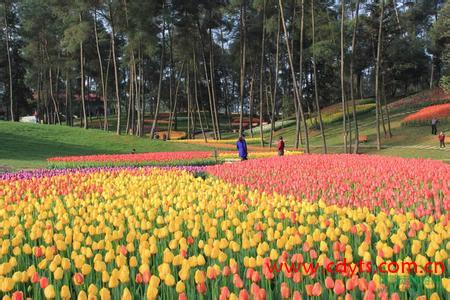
(441, 140)
(242, 148)
(434, 122)
(133, 151)
(36, 116)
(280, 146)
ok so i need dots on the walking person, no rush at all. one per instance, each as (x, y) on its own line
(280, 147)
(434, 122)
(241, 146)
(441, 140)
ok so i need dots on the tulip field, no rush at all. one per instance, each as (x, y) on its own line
(166, 233)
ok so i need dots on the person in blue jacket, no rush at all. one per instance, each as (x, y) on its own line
(242, 147)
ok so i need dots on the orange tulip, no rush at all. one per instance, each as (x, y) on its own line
(308, 289)
(329, 283)
(317, 289)
(339, 287)
(296, 295)
(395, 296)
(285, 291)
(243, 295)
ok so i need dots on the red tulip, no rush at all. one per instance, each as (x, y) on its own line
(17, 295)
(139, 278)
(35, 277)
(182, 296)
(201, 288)
(38, 252)
(78, 278)
(43, 282)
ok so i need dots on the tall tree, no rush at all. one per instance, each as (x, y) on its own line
(352, 58)
(344, 111)
(294, 80)
(8, 54)
(316, 90)
(377, 75)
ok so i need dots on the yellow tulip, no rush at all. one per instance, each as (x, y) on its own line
(82, 295)
(180, 287)
(126, 295)
(65, 292)
(105, 294)
(49, 292)
(7, 285)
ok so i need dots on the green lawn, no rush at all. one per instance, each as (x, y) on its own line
(29, 145)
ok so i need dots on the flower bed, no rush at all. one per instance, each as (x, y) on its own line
(337, 116)
(192, 158)
(254, 155)
(425, 115)
(155, 234)
(377, 183)
(422, 99)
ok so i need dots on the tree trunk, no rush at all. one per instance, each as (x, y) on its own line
(386, 106)
(316, 91)
(158, 97)
(102, 79)
(272, 127)
(250, 115)
(294, 81)
(188, 95)
(11, 103)
(172, 114)
(344, 113)
(130, 98)
(213, 91)
(208, 83)
(261, 75)
(242, 43)
(83, 102)
(377, 71)
(116, 76)
(196, 99)
(352, 57)
(53, 96)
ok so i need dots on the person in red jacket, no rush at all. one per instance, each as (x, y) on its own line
(441, 140)
(280, 147)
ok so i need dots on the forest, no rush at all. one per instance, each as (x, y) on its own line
(217, 64)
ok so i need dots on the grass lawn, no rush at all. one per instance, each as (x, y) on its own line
(29, 145)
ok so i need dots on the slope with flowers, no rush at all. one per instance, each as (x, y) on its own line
(425, 115)
(136, 233)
